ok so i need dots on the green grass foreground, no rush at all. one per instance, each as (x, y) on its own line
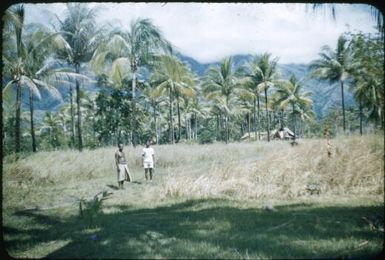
(242, 200)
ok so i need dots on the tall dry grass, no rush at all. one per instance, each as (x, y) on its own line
(280, 171)
(238, 170)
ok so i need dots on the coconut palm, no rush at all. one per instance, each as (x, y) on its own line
(171, 76)
(267, 70)
(27, 65)
(132, 49)
(155, 102)
(367, 73)
(52, 124)
(195, 110)
(251, 79)
(220, 86)
(290, 93)
(186, 90)
(82, 36)
(334, 66)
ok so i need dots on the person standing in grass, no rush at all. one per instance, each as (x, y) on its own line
(148, 158)
(121, 165)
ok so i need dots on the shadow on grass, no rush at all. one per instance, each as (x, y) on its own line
(113, 187)
(206, 229)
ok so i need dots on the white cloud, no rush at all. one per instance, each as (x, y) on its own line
(210, 31)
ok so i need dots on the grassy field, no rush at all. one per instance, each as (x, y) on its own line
(241, 200)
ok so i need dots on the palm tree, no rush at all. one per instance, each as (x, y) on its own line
(27, 65)
(150, 95)
(267, 70)
(195, 110)
(334, 66)
(16, 20)
(82, 37)
(172, 76)
(220, 86)
(52, 124)
(290, 93)
(134, 48)
(367, 74)
(251, 79)
(185, 90)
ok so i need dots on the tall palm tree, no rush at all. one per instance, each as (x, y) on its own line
(82, 37)
(251, 79)
(171, 76)
(151, 96)
(27, 65)
(52, 124)
(134, 48)
(267, 70)
(334, 66)
(367, 73)
(290, 93)
(220, 85)
(15, 19)
(186, 90)
(195, 111)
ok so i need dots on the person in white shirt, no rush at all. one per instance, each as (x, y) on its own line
(148, 158)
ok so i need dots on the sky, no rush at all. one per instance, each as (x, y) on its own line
(208, 32)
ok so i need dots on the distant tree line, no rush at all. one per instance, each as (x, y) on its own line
(147, 93)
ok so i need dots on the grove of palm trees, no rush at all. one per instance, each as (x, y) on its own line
(225, 186)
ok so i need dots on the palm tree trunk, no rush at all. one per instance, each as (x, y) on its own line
(360, 108)
(343, 104)
(259, 121)
(223, 123)
(300, 130)
(255, 118)
(186, 124)
(72, 119)
(248, 124)
(32, 125)
(196, 126)
(93, 130)
(281, 118)
(160, 132)
(227, 129)
(171, 128)
(133, 118)
(217, 130)
(79, 121)
(179, 124)
(267, 117)
(18, 118)
(51, 138)
(294, 122)
(154, 115)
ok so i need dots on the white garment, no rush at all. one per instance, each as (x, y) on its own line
(147, 165)
(147, 155)
(124, 173)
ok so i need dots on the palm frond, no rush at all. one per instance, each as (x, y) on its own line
(26, 81)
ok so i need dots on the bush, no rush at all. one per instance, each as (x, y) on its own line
(206, 137)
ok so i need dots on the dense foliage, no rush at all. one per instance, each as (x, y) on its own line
(145, 92)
